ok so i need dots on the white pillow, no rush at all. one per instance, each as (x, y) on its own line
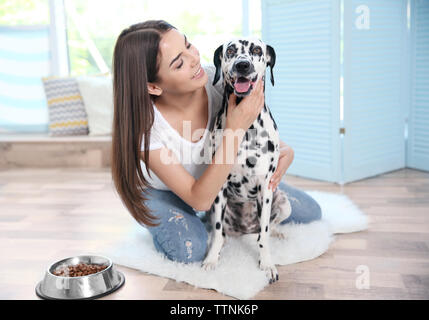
(97, 95)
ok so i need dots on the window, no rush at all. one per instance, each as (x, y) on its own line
(93, 26)
(24, 59)
(24, 12)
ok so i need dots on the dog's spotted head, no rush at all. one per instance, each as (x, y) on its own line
(243, 61)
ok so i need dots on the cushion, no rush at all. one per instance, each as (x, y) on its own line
(66, 110)
(97, 94)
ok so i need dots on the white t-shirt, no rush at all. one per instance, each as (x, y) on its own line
(190, 154)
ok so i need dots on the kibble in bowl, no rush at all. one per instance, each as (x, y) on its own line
(80, 277)
(79, 270)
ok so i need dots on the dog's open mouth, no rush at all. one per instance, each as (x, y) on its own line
(242, 85)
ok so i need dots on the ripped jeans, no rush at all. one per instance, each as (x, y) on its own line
(182, 234)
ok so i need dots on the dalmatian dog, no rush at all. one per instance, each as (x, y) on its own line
(245, 204)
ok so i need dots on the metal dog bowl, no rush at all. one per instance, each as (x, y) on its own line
(91, 286)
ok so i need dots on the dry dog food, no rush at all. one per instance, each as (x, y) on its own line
(81, 269)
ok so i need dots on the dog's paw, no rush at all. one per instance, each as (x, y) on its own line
(277, 234)
(209, 264)
(270, 271)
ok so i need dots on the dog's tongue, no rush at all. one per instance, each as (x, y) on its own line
(242, 86)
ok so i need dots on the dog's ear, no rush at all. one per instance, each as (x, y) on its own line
(271, 54)
(217, 62)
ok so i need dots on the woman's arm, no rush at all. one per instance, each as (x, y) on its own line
(209, 184)
(285, 160)
(200, 193)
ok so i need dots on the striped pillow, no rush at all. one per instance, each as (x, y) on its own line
(67, 114)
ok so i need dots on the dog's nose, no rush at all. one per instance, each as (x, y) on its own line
(242, 66)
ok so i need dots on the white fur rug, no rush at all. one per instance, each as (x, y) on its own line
(237, 273)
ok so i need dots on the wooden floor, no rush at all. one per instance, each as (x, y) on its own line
(47, 214)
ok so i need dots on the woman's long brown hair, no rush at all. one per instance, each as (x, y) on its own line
(135, 63)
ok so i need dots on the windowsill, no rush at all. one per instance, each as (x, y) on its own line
(21, 150)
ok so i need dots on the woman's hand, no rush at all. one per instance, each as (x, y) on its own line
(241, 116)
(285, 160)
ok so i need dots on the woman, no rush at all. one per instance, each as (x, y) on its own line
(158, 88)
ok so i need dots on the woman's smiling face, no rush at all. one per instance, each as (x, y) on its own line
(180, 62)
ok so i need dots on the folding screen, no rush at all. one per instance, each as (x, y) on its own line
(386, 83)
(305, 98)
(418, 127)
(375, 78)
